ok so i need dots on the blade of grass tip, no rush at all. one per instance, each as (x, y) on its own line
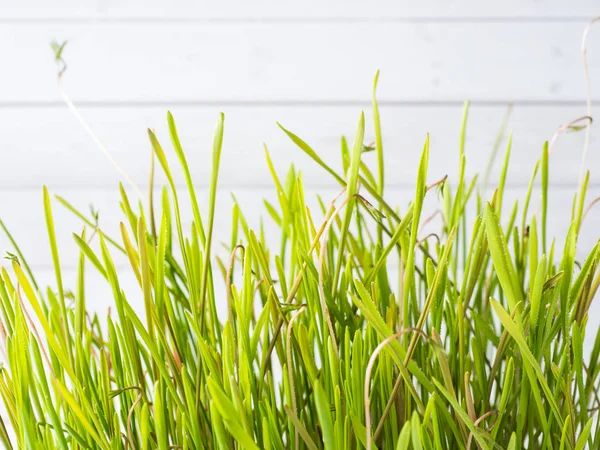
(463, 129)
(502, 183)
(345, 150)
(351, 190)
(409, 272)
(125, 205)
(186, 173)
(581, 200)
(469, 397)
(229, 414)
(378, 138)
(457, 213)
(216, 159)
(274, 176)
(583, 437)
(56, 262)
(402, 227)
(404, 437)
(582, 284)
(416, 431)
(87, 251)
(162, 159)
(379, 150)
(544, 194)
(529, 231)
(132, 254)
(310, 152)
(533, 250)
(366, 177)
(22, 258)
(435, 424)
(85, 220)
(151, 197)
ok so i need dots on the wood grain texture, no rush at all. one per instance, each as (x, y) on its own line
(297, 62)
(310, 9)
(48, 146)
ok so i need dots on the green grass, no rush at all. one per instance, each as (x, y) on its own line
(475, 340)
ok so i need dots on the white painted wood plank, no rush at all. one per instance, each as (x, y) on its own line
(48, 146)
(304, 62)
(23, 214)
(40, 9)
(310, 9)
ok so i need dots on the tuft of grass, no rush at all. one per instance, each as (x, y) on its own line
(358, 331)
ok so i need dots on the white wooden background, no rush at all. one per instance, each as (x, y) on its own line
(306, 64)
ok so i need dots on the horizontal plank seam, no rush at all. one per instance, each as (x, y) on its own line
(217, 20)
(285, 103)
(254, 187)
